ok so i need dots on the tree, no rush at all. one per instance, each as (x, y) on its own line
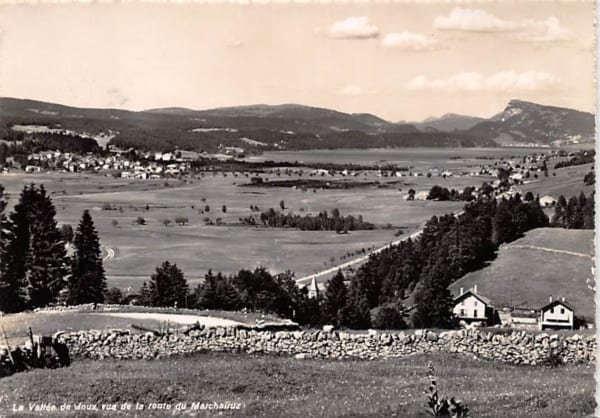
(411, 194)
(87, 283)
(140, 221)
(336, 300)
(282, 204)
(167, 286)
(166, 222)
(224, 209)
(46, 260)
(433, 304)
(13, 297)
(113, 296)
(66, 231)
(207, 208)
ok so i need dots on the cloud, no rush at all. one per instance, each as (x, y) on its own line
(354, 28)
(477, 20)
(548, 30)
(351, 90)
(410, 41)
(473, 20)
(473, 82)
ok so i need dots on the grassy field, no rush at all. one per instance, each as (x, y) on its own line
(567, 182)
(547, 261)
(278, 386)
(47, 323)
(197, 247)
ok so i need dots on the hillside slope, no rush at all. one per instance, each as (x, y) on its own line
(524, 122)
(547, 261)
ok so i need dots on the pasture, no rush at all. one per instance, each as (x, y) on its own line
(134, 250)
(280, 386)
(197, 247)
(547, 261)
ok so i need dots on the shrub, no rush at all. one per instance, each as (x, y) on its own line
(387, 317)
(140, 221)
(113, 296)
(115, 223)
(442, 407)
(166, 222)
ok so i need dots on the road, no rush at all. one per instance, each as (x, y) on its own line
(110, 253)
(306, 279)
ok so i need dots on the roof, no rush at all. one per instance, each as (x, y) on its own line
(557, 302)
(477, 295)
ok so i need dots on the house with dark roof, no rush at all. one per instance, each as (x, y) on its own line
(471, 306)
(557, 314)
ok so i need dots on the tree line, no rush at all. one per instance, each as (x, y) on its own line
(575, 213)
(442, 193)
(581, 157)
(321, 222)
(35, 270)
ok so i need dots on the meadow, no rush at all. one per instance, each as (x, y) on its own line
(135, 250)
(546, 262)
(280, 386)
(197, 247)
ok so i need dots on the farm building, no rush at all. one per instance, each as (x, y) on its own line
(546, 261)
(471, 306)
(557, 314)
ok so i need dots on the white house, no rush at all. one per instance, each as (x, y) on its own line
(557, 314)
(547, 201)
(471, 306)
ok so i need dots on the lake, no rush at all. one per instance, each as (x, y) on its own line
(400, 156)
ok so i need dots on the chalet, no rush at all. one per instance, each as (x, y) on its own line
(471, 306)
(557, 314)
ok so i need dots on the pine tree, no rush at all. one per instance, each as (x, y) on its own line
(167, 286)
(433, 302)
(336, 299)
(13, 262)
(206, 293)
(46, 261)
(87, 283)
(12, 285)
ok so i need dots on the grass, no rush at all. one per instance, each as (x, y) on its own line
(196, 248)
(524, 276)
(47, 323)
(278, 386)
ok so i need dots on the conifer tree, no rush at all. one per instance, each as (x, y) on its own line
(87, 283)
(46, 261)
(167, 286)
(206, 292)
(12, 285)
(336, 299)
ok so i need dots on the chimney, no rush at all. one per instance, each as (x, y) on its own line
(461, 291)
(475, 289)
(550, 298)
(563, 298)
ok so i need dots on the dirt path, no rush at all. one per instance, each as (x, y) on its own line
(551, 250)
(208, 321)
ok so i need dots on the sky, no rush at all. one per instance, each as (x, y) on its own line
(403, 61)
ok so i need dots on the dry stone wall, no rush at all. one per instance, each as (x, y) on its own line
(517, 348)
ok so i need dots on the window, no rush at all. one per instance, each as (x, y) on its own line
(475, 313)
(562, 310)
(462, 312)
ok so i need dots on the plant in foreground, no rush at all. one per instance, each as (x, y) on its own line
(441, 407)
